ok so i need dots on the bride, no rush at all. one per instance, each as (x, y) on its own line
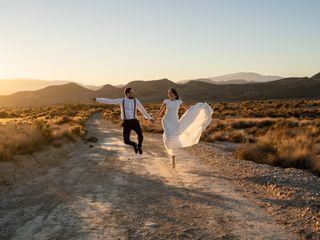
(186, 131)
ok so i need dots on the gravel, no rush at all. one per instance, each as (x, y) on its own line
(291, 196)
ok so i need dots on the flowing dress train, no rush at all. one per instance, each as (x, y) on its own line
(186, 131)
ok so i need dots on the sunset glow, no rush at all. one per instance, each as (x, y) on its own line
(99, 42)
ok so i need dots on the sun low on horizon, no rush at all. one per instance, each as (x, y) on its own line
(115, 42)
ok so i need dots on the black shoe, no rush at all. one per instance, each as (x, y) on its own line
(135, 148)
(140, 149)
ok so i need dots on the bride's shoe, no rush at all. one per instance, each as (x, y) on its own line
(173, 161)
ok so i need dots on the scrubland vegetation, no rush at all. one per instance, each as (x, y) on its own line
(279, 133)
(26, 130)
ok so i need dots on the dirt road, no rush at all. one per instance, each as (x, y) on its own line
(108, 192)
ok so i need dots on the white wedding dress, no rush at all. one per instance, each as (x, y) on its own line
(186, 131)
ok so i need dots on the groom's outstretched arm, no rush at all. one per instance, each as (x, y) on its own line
(143, 111)
(108, 100)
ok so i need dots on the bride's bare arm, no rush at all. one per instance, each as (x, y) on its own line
(161, 110)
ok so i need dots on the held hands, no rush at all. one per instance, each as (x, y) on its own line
(94, 99)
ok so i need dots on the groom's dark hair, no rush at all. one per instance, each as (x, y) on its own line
(127, 90)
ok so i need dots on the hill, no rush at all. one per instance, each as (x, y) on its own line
(68, 93)
(10, 86)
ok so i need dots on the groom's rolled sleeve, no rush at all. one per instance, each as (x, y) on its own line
(143, 111)
(109, 100)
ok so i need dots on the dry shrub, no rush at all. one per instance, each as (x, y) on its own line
(112, 115)
(216, 136)
(63, 119)
(216, 125)
(21, 139)
(4, 114)
(261, 152)
(285, 148)
(83, 115)
(70, 132)
(45, 130)
(243, 124)
(157, 128)
(76, 130)
(238, 137)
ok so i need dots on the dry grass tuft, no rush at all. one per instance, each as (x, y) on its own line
(23, 139)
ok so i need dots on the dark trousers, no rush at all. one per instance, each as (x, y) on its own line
(128, 125)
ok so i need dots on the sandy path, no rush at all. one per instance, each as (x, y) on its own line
(108, 192)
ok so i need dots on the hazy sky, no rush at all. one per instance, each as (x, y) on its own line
(104, 41)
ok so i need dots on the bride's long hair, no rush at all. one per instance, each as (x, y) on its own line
(174, 91)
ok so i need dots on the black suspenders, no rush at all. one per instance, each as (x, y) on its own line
(124, 111)
(134, 108)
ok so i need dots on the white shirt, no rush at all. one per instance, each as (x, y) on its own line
(128, 107)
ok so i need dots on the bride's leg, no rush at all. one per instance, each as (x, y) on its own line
(173, 161)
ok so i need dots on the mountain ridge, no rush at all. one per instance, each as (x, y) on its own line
(237, 78)
(155, 91)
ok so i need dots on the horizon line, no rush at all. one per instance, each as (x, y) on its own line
(81, 82)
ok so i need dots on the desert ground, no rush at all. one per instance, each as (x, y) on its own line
(102, 190)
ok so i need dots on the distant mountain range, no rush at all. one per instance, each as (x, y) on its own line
(9, 86)
(237, 78)
(155, 91)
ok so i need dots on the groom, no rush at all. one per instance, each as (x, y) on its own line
(129, 106)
